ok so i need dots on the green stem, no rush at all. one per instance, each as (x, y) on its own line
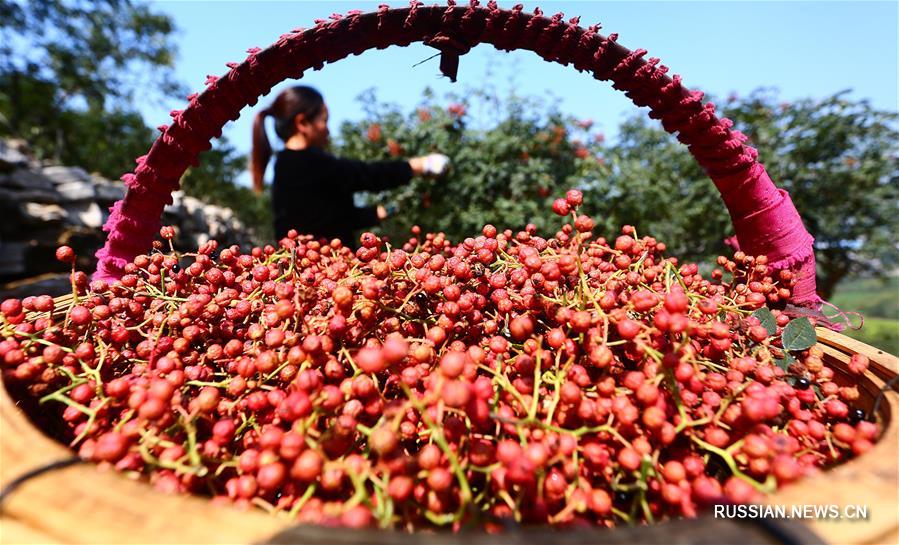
(437, 435)
(765, 488)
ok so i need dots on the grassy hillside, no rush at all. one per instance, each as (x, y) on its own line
(878, 301)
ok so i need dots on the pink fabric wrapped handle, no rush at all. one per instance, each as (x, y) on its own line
(764, 218)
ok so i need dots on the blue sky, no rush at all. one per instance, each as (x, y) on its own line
(805, 49)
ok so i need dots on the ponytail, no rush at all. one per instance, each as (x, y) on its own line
(261, 152)
(286, 106)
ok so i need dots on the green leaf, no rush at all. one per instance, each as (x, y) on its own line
(799, 335)
(785, 362)
(767, 319)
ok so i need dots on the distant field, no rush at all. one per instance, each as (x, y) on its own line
(870, 296)
(878, 302)
(880, 333)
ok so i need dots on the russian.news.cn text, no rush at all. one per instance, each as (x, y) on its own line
(799, 512)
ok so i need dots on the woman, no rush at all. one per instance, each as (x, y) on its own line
(312, 191)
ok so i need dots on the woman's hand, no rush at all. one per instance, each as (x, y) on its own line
(433, 164)
(385, 212)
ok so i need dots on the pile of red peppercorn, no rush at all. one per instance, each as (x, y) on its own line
(507, 379)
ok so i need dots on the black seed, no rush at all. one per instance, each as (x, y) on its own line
(802, 383)
(856, 415)
(176, 268)
(421, 298)
(622, 497)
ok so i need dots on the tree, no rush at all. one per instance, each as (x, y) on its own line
(836, 156)
(506, 173)
(653, 183)
(99, 140)
(839, 159)
(70, 73)
(94, 52)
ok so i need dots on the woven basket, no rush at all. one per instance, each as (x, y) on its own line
(82, 504)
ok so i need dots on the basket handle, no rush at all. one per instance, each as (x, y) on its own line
(764, 218)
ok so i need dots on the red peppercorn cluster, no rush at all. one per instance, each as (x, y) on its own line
(566, 381)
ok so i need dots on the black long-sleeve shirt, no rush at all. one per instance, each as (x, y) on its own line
(312, 192)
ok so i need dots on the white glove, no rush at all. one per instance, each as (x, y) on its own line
(435, 164)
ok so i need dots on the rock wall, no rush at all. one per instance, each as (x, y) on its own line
(43, 206)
